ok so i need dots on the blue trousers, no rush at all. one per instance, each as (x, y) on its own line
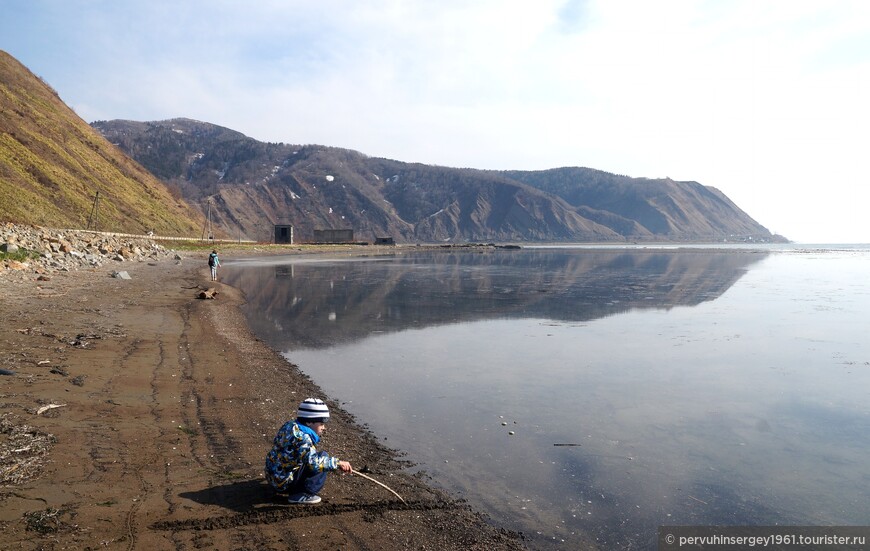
(308, 482)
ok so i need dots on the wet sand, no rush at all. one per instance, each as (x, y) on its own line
(138, 416)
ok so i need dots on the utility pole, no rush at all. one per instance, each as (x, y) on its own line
(207, 223)
(95, 213)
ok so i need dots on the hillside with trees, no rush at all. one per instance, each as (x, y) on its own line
(248, 186)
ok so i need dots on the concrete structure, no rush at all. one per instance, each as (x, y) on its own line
(283, 233)
(333, 236)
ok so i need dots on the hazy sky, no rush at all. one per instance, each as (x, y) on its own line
(767, 100)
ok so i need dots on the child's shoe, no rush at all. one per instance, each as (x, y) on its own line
(303, 499)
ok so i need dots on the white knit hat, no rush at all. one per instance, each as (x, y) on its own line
(314, 410)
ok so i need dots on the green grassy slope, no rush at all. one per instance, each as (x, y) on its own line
(52, 164)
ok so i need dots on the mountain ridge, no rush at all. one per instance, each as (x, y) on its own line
(252, 185)
(166, 176)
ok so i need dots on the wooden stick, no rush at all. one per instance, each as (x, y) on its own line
(378, 483)
(43, 409)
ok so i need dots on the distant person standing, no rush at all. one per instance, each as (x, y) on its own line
(213, 263)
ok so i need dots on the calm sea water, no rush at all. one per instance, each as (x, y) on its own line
(584, 395)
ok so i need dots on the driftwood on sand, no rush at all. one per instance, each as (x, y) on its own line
(211, 293)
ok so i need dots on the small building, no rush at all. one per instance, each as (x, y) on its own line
(283, 233)
(384, 241)
(333, 236)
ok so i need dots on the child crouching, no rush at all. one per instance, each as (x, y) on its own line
(294, 465)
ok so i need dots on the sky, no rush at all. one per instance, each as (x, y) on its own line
(766, 100)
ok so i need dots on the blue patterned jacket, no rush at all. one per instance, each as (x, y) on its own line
(292, 451)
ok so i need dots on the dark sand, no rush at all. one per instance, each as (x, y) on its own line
(167, 408)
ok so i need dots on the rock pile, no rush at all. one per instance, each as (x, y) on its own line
(42, 250)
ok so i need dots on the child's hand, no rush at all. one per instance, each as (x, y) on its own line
(345, 466)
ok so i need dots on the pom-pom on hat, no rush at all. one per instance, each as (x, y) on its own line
(313, 410)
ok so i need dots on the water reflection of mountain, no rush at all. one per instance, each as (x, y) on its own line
(317, 304)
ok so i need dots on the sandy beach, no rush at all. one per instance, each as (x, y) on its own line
(134, 415)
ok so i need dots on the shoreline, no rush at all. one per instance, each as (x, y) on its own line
(155, 410)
